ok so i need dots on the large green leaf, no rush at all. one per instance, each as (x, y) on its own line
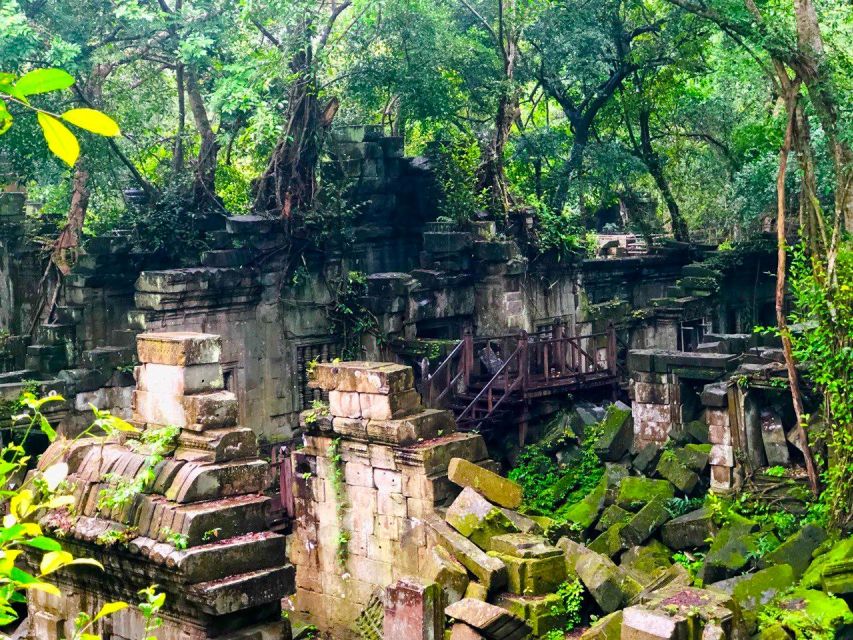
(43, 81)
(45, 544)
(59, 139)
(5, 118)
(92, 120)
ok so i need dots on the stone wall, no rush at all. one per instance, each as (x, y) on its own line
(226, 577)
(371, 473)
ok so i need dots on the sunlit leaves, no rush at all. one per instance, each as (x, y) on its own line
(42, 81)
(59, 139)
(93, 121)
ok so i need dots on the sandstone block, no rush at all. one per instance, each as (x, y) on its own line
(524, 545)
(181, 349)
(355, 428)
(376, 406)
(461, 631)
(493, 622)
(423, 425)
(443, 569)
(211, 481)
(363, 377)
(413, 609)
(533, 576)
(496, 489)
(344, 404)
(217, 445)
(434, 456)
(690, 530)
(722, 456)
(646, 522)
(477, 519)
(490, 571)
(637, 491)
(174, 380)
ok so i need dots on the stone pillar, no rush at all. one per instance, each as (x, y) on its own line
(715, 398)
(372, 471)
(413, 610)
(198, 530)
(656, 407)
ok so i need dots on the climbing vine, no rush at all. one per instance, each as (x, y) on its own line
(349, 318)
(341, 503)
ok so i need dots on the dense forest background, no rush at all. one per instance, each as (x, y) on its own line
(670, 111)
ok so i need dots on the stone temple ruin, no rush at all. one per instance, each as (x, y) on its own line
(369, 498)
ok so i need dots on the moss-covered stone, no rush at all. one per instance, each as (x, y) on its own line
(730, 551)
(538, 611)
(610, 542)
(494, 488)
(614, 514)
(607, 628)
(651, 559)
(645, 523)
(819, 609)
(691, 530)
(533, 576)
(695, 456)
(797, 550)
(617, 432)
(677, 472)
(757, 590)
(635, 492)
(478, 519)
(585, 512)
(842, 550)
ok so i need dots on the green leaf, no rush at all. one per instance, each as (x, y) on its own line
(43, 543)
(5, 118)
(43, 81)
(47, 429)
(59, 139)
(109, 609)
(92, 120)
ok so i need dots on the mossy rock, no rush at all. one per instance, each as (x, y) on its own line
(760, 588)
(585, 512)
(636, 492)
(818, 610)
(841, 551)
(652, 559)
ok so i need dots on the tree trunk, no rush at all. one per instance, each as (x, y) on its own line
(652, 162)
(793, 379)
(66, 245)
(178, 147)
(204, 186)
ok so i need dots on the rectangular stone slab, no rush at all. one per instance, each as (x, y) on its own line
(495, 488)
(178, 348)
(179, 380)
(490, 571)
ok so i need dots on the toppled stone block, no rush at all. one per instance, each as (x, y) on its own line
(617, 434)
(607, 628)
(443, 569)
(773, 437)
(461, 631)
(650, 559)
(820, 609)
(678, 473)
(758, 589)
(612, 515)
(585, 512)
(797, 550)
(178, 348)
(413, 609)
(541, 613)
(689, 531)
(434, 456)
(495, 488)
(695, 456)
(533, 566)
(495, 623)
(635, 492)
(490, 571)
(610, 588)
(839, 552)
(477, 519)
(647, 458)
(730, 551)
(609, 543)
(217, 445)
(645, 523)
(698, 431)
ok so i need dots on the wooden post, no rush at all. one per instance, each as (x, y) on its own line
(611, 348)
(467, 356)
(523, 362)
(559, 347)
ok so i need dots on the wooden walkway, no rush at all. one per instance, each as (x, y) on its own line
(489, 382)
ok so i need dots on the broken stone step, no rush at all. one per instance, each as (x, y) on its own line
(47, 358)
(220, 558)
(495, 623)
(69, 314)
(217, 445)
(198, 482)
(54, 334)
(226, 258)
(243, 591)
(17, 376)
(108, 358)
(490, 571)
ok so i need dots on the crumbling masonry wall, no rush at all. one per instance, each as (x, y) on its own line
(371, 473)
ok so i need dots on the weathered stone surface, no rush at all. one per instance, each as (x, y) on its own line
(443, 569)
(819, 608)
(413, 609)
(609, 543)
(759, 589)
(689, 531)
(362, 377)
(171, 380)
(650, 559)
(614, 514)
(423, 425)
(839, 552)
(211, 481)
(533, 576)
(617, 433)
(493, 622)
(241, 554)
(498, 490)
(730, 550)
(797, 550)
(461, 631)
(634, 492)
(610, 588)
(477, 519)
(524, 545)
(198, 412)
(217, 445)
(677, 612)
(181, 349)
(695, 456)
(542, 613)
(678, 473)
(607, 628)
(647, 458)
(490, 571)
(434, 456)
(639, 528)
(773, 437)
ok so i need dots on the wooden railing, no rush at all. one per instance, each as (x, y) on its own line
(543, 360)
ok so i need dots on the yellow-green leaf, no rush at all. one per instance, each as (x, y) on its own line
(109, 609)
(87, 561)
(54, 560)
(42, 81)
(90, 636)
(92, 120)
(59, 139)
(5, 118)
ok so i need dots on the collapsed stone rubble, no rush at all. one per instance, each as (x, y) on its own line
(198, 531)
